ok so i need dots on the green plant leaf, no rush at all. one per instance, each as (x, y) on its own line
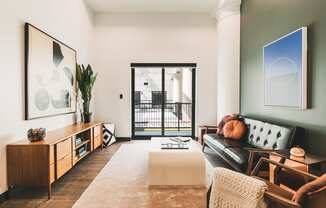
(85, 80)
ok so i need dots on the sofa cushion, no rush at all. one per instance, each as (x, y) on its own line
(219, 143)
(268, 136)
(238, 155)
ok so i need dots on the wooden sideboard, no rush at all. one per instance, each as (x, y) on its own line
(42, 163)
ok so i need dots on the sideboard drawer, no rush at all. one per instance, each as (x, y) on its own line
(64, 148)
(63, 165)
(97, 130)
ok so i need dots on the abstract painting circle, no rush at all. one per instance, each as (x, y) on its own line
(42, 99)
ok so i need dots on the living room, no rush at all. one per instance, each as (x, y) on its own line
(178, 93)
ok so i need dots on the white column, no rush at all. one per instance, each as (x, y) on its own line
(228, 57)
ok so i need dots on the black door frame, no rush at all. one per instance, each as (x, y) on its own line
(193, 67)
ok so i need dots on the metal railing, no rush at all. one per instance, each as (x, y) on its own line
(177, 116)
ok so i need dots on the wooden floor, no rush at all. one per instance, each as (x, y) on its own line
(69, 188)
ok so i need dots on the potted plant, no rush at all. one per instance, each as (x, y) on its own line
(85, 80)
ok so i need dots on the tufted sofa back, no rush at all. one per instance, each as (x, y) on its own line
(266, 135)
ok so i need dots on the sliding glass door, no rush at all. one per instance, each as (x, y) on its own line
(148, 102)
(163, 100)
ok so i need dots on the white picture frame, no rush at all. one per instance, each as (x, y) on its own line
(285, 71)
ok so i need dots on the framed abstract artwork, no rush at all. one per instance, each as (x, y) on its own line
(285, 71)
(50, 75)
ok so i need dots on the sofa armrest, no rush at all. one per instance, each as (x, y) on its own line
(208, 126)
(209, 129)
(262, 160)
(252, 154)
(251, 149)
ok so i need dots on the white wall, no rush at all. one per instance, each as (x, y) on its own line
(228, 58)
(124, 38)
(71, 23)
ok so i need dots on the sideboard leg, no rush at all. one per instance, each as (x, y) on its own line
(9, 192)
(49, 191)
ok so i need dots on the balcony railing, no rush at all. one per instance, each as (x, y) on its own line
(148, 115)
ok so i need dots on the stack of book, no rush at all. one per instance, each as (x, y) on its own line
(180, 139)
(81, 151)
(173, 145)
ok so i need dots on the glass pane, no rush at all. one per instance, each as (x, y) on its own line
(178, 107)
(148, 101)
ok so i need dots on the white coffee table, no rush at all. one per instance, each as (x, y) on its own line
(177, 167)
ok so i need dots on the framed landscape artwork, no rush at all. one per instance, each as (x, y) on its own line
(285, 71)
(50, 75)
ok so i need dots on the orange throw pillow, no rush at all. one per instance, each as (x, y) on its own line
(225, 119)
(234, 129)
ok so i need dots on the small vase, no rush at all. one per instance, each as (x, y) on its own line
(35, 135)
(87, 117)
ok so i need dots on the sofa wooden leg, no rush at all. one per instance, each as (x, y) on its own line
(203, 148)
(250, 163)
(208, 196)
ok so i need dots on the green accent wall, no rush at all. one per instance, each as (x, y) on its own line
(263, 21)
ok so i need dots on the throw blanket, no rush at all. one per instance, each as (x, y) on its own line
(231, 189)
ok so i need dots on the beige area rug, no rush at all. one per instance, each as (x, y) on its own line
(122, 183)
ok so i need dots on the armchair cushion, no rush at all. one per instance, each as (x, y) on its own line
(232, 189)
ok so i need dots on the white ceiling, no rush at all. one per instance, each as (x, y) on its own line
(153, 6)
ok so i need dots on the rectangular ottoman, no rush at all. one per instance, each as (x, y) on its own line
(175, 167)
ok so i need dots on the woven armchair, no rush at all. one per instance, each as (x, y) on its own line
(273, 195)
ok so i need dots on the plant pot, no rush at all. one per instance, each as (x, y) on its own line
(87, 117)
